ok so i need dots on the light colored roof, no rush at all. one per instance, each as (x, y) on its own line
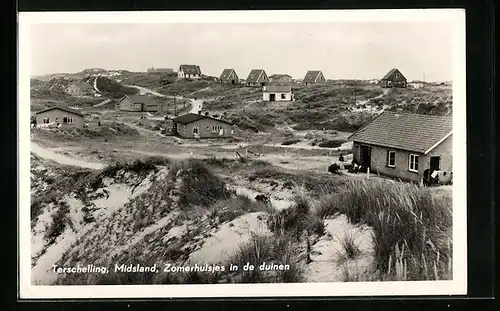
(254, 75)
(406, 131)
(67, 109)
(191, 117)
(311, 75)
(279, 75)
(390, 73)
(191, 69)
(277, 88)
(141, 99)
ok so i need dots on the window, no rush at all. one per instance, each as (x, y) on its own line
(216, 128)
(46, 120)
(391, 158)
(283, 96)
(195, 130)
(70, 120)
(413, 163)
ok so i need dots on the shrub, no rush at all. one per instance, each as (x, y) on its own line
(290, 142)
(334, 168)
(59, 221)
(350, 249)
(199, 186)
(331, 143)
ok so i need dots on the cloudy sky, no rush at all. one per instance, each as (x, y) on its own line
(341, 50)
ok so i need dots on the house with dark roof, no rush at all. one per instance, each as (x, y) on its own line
(272, 93)
(189, 72)
(257, 77)
(407, 146)
(138, 103)
(197, 125)
(80, 89)
(59, 115)
(314, 76)
(394, 78)
(229, 76)
(280, 78)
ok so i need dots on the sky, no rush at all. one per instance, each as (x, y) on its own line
(342, 50)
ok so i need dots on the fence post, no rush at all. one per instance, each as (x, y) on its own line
(368, 173)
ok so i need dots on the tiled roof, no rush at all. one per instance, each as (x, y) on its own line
(191, 69)
(226, 73)
(311, 76)
(142, 99)
(254, 75)
(64, 108)
(277, 88)
(191, 117)
(278, 76)
(406, 131)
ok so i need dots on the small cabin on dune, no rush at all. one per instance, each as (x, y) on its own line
(257, 77)
(59, 115)
(407, 146)
(314, 76)
(80, 89)
(394, 78)
(229, 76)
(194, 125)
(189, 72)
(138, 103)
(274, 93)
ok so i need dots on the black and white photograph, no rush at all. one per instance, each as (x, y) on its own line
(220, 154)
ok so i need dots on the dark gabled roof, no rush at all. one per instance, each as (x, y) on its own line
(407, 131)
(140, 99)
(311, 76)
(390, 73)
(191, 69)
(277, 88)
(226, 73)
(191, 117)
(254, 75)
(63, 108)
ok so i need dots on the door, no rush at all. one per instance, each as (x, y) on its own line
(435, 163)
(365, 157)
(272, 97)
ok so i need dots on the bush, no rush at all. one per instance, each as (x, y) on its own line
(199, 186)
(334, 168)
(290, 142)
(331, 143)
(58, 224)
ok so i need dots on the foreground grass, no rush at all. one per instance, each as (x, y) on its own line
(412, 227)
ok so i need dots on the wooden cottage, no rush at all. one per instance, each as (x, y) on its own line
(59, 115)
(229, 76)
(280, 78)
(189, 72)
(193, 125)
(80, 89)
(273, 93)
(405, 146)
(138, 103)
(394, 78)
(314, 76)
(257, 77)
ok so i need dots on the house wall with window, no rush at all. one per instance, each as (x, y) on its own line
(205, 128)
(125, 104)
(408, 165)
(288, 96)
(62, 117)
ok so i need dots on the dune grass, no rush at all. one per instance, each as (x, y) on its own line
(412, 227)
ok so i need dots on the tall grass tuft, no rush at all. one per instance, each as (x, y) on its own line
(411, 227)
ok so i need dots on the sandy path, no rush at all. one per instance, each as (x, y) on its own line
(51, 155)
